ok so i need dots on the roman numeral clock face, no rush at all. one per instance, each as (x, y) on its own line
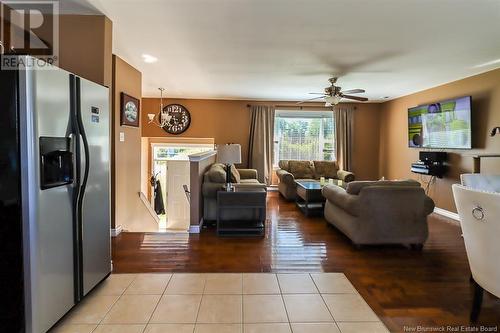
(178, 119)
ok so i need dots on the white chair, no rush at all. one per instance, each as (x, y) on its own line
(479, 213)
(479, 181)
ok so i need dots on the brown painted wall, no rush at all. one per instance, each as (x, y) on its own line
(85, 46)
(225, 121)
(366, 142)
(126, 156)
(229, 121)
(396, 157)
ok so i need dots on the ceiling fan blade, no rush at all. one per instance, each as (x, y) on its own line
(356, 98)
(310, 99)
(317, 94)
(354, 91)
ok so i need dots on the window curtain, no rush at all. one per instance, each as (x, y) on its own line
(260, 146)
(344, 136)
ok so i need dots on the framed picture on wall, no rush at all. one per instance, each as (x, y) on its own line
(130, 110)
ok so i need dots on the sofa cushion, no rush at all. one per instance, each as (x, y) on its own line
(217, 173)
(301, 169)
(327, 169)
(283, 164)
(356, 186)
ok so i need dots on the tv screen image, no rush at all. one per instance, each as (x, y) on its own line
(442, 125)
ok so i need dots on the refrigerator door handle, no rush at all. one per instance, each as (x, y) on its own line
(76, 189)
(83, 183)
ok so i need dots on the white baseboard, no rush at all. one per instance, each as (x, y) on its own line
(447, 213)
(195, 229)
(116, 231)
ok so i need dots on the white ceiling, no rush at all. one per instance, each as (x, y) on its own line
(283, 49)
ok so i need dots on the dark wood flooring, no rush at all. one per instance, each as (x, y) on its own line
(404, 287)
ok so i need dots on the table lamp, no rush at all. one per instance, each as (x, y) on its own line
(229, 154)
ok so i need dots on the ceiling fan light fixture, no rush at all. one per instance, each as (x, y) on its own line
(333, 100)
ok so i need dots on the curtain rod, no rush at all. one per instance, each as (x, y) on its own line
(300, 107)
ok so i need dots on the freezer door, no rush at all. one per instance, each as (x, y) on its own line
(95, 212)
(47, 212)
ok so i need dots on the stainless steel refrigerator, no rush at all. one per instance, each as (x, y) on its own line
(54, 194)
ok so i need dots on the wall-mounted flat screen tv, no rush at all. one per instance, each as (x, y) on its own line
(443, 125)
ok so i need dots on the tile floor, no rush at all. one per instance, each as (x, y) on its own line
(223, 303)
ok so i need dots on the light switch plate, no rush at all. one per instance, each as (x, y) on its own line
(122, 137)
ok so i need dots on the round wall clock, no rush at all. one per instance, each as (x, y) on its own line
(177, 118)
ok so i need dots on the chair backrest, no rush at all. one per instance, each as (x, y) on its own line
(479, 213)
(478, 181)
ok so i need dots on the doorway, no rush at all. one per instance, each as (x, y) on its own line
(170, 174)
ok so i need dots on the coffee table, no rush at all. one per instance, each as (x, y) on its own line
(309, 198)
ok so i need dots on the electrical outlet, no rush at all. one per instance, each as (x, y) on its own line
(122, 137)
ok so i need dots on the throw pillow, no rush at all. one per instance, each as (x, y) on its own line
(327, 169)
(301, 169)
(235, 175)
(283, 164)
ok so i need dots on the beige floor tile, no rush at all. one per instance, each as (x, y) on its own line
(316, 328)
(169, 328)
(267, 328)
(177, 309)
(186, 284)
(333, 283)
(91, 310)
(115, 284)
(132, 309)
(296, 284)
(218, 328)
(220, 284)
(373, 327)
(119, 328)
(220, 309)
(264, 309)
(349, 307)
(260, 283)
(73, 328)
(306, 308)
(148, 284)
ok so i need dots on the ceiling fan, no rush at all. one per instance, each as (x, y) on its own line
(333, 94)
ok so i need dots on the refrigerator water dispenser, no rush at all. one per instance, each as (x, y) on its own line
(56, 162)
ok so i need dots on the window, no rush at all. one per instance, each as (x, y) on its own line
(304, 135)
(178, 151)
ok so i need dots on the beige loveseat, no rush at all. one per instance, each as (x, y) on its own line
(214, 180)
(380, 212)
(290, 170)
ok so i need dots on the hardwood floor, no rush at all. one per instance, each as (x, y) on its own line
(404, 287)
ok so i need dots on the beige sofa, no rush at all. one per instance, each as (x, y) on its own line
(290, 170)
(214, 180)
(380, 212)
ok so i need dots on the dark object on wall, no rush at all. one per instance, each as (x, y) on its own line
(431, 163)
(130, 110)
(178, 118)
(495, 131)
(159, 205)
(433, 156)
